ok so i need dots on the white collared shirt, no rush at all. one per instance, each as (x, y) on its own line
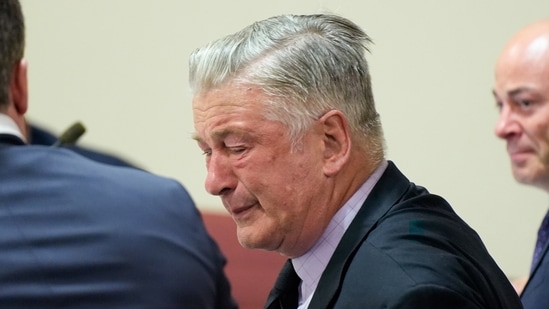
(310, 266)
(8, 126)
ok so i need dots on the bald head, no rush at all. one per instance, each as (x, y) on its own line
(529, 44)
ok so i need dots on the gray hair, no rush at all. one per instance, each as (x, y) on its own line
(307, 65)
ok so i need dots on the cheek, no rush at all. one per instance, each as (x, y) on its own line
(300, 190)
(540, 134)
(283, 182)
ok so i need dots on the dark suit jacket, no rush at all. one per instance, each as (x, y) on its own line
(406, 248)
(80, 234)
(536, 292)
(40, 136)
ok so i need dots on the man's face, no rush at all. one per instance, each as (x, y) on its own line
(274, 194)
(522, 95)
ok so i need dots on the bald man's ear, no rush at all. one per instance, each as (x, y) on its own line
(337, 141)
(19, 87)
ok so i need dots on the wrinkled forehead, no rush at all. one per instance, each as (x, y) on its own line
(230, 102)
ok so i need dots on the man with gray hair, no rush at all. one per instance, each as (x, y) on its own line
(284, 113)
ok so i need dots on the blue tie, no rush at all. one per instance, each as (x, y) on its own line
(543, 236)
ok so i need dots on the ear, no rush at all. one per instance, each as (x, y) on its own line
(19, 87)
(337, 141)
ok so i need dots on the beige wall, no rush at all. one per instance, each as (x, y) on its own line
(120, 66)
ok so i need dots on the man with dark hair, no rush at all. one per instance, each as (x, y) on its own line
(80, 234)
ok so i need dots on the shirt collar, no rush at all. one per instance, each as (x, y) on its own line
(310, 266)
(8, 126)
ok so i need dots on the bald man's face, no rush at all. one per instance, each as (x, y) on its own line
(522, 95)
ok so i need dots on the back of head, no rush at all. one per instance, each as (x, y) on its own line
(306, 64)
(12, 44)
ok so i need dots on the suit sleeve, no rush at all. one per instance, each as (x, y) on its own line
(434, 297)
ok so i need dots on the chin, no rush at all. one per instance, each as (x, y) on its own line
(251, 238)
(539, 180)
(522, 179)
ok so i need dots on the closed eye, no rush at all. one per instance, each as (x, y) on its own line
(236, 150)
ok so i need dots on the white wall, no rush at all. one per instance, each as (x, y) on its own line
(120, 66)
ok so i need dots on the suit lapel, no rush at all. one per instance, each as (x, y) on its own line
(285, 291)
(536, 267)
(390, 188)
(10, 139)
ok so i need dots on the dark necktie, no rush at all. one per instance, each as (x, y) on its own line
(543, 236)
(284, 294)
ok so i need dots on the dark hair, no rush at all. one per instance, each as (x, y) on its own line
(12, 44)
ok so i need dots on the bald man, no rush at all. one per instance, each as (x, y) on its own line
(522, 96)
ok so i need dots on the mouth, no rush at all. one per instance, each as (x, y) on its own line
(240, 213)
(519, 155)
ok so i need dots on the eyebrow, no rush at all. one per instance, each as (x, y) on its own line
(514, 92)
(519, 90)
(196, 137)
(220, 135)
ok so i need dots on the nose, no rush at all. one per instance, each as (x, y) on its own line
(507, 124)
(220, 178)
